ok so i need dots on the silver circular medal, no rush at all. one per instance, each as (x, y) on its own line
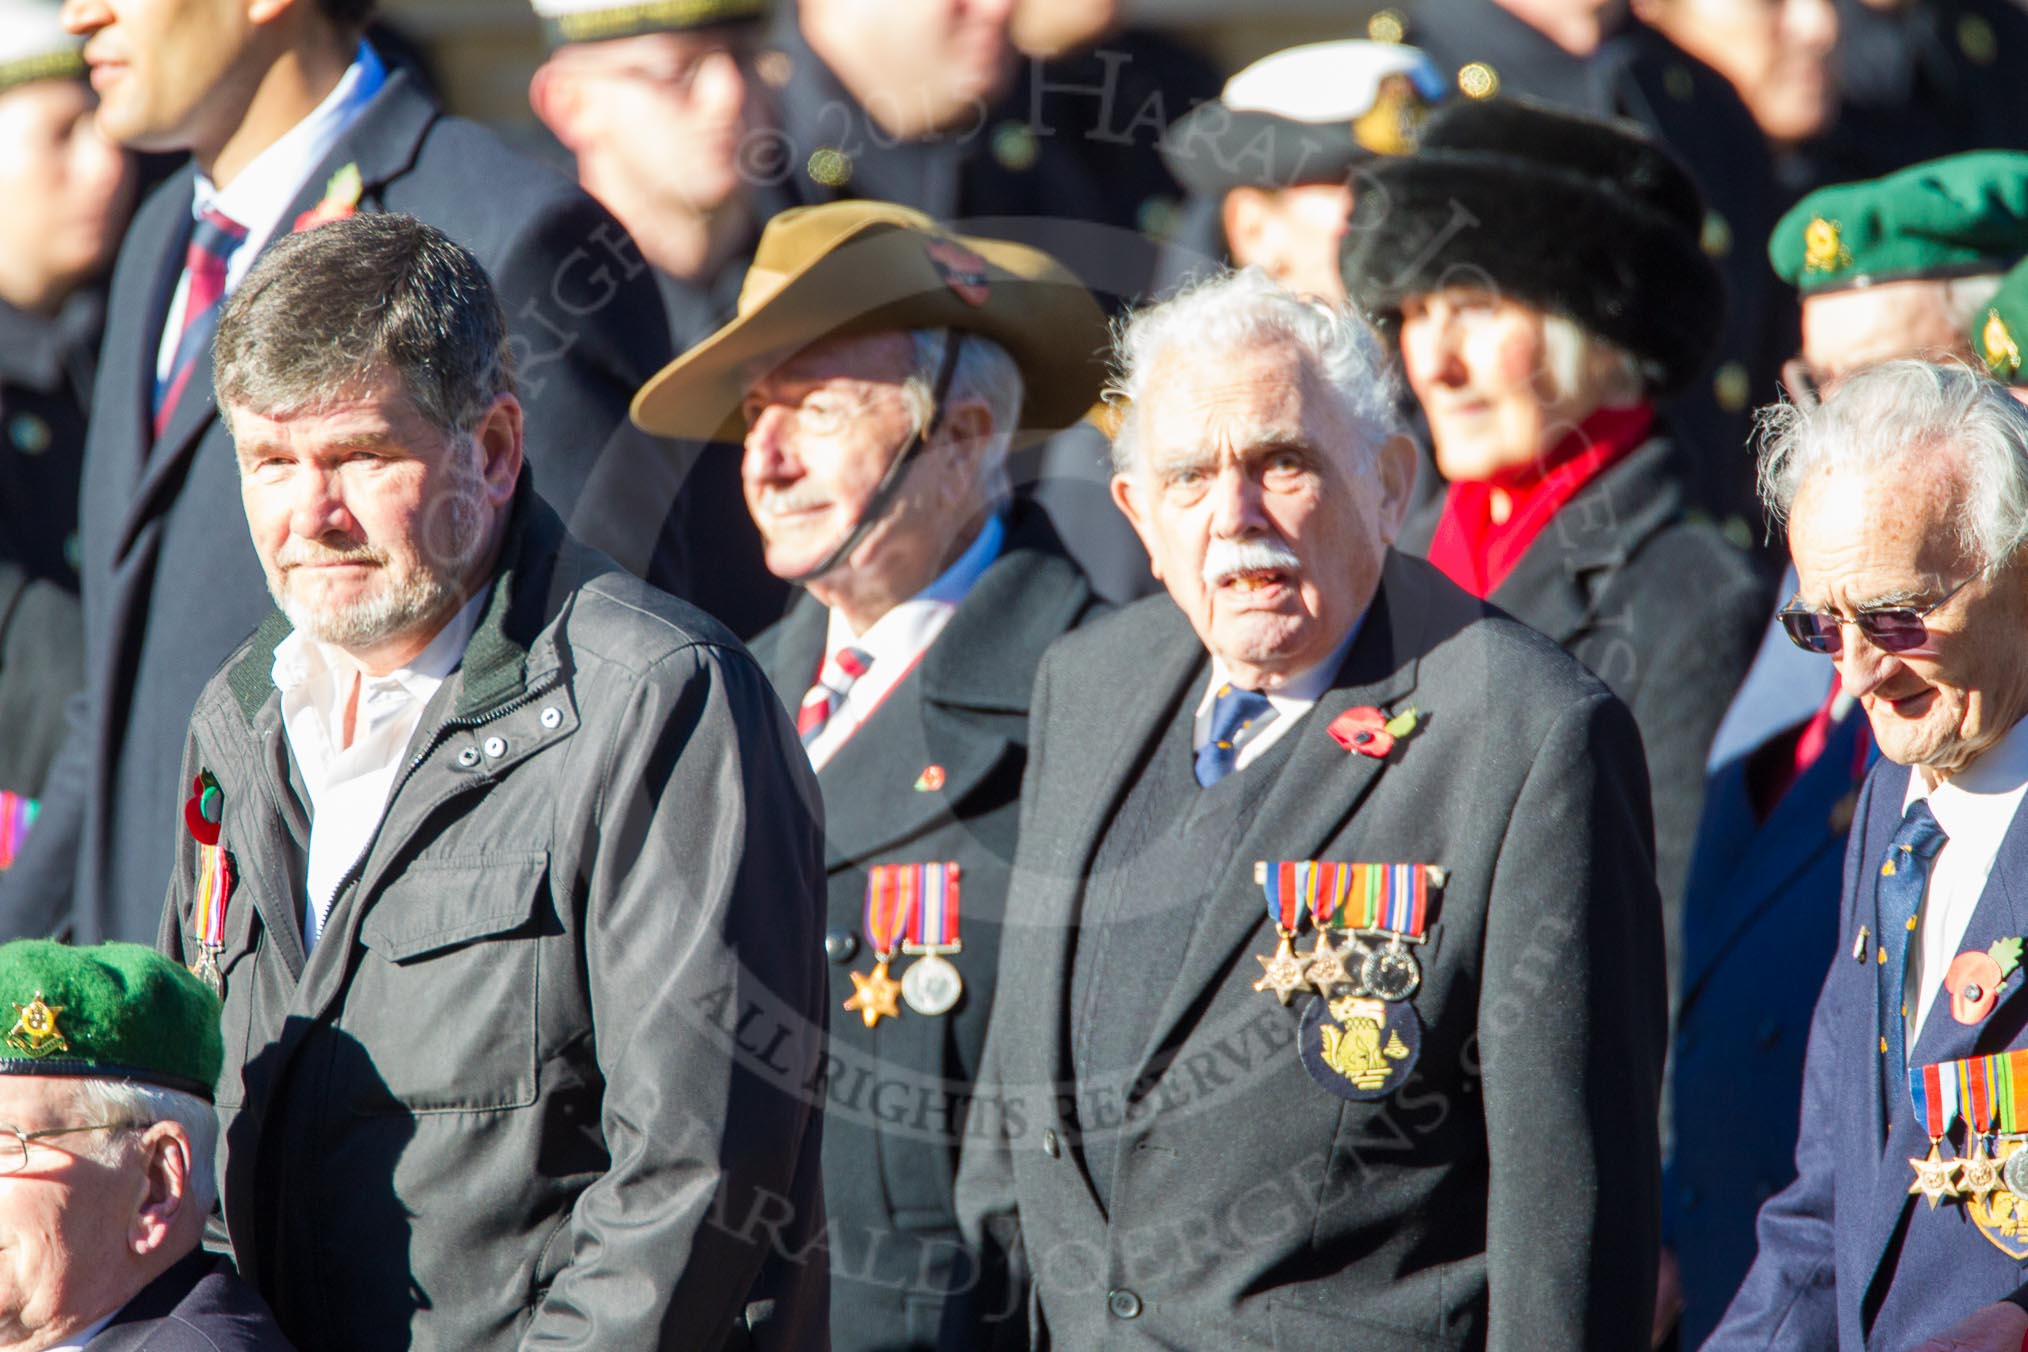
(931, 985)
(2014, 1173)
(1390, 973)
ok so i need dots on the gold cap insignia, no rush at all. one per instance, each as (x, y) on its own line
(2003, 355)
(1391, 125)
(35, 1031)
(1823, 249)
(1477, 80)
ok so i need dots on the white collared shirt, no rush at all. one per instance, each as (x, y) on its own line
(349, 785)
(897, 640)
(263, 191)
(1294, 699)
(1975, 807)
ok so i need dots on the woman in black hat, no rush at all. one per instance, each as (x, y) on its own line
(1543, 275)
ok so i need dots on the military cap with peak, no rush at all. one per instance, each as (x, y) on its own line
(2001, 327)
(1308, 114)
(33, 45)
(113, 1011)
(568, 21)
(1952, 217)
(850, 268)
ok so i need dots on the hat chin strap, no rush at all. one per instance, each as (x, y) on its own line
(889, 487)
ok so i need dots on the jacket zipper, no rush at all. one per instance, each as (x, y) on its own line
(526, 697)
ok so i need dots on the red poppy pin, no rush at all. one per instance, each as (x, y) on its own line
(1369, 732)
(341, 199)
(1974, 979)
(963, 271)
(930, 780)
(204, 809)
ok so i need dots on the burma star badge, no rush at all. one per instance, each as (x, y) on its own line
(1935, 1178)
(875, 996)
(35, 1031)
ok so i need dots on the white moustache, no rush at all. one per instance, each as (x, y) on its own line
(1255, 554)
(312, 557)
(780, 502)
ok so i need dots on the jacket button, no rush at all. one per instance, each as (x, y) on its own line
(1050, 1145)
(496, 747)
(468, 758)
(840, 945)
(552, 718)
(1123, 1304)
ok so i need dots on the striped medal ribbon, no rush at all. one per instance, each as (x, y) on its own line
(931, 985)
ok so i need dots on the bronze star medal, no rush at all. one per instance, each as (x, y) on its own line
(876, 996)
(35, 1031)
(1285, 972)
(1935, 1178)
(1980, 1176)
(1324, 968)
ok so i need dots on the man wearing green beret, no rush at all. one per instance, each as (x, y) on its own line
(106, 1140)
(1898, 266)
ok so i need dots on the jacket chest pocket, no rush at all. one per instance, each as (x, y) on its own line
(441, 1013)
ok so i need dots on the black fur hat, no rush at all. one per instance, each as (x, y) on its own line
(1580, 217)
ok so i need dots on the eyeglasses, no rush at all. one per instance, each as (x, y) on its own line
(1893, 629)
(14, 1141)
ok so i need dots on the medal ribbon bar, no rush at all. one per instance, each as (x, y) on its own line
(214, 892)
(892, 892)
(933, 923)
(1933, 1090)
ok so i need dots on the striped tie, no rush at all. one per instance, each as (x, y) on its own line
(846, 666)
(212, 241)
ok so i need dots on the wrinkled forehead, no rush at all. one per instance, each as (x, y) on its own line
(1874, 532)
(34, 1102)
(869, 358)
(1204, 402)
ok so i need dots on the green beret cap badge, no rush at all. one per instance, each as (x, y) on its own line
(1996, 344)
(35, 1032)
(1823, 249)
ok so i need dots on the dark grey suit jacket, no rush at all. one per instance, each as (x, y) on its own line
(199, 1305)
(1507, 1194)
(894, 1127)
(171, 582)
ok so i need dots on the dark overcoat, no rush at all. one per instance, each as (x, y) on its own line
(897, 1093)
(1506, 1194)
(199, 1305)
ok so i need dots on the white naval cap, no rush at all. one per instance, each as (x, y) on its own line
(1329, 81)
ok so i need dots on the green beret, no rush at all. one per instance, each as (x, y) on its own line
(2001, 326)
(116, 1011)
(1950, 217)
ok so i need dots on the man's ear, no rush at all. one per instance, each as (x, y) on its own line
(500, 450)
(1127, 497)
(557, 102)
(1395, 469)
(165, 1198)
(962, 433)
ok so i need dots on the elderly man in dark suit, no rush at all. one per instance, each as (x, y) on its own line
(1434, 1123)
(875, 470)
(291, 120)
(1902, 496)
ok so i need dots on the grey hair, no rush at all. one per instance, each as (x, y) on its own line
(1567, 347)
(379, 293)
(1884, 414)
(985, 372)
(143, 1105)
(1243, 309)
(1964, 297)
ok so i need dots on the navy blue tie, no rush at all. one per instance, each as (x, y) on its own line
(1237, 716)
(1897, 900)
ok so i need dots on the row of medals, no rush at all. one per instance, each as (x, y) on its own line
(1993, 1188)
(1370, 969)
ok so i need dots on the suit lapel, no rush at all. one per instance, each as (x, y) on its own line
(1319, 786)
(866, 802)
(1998, 915)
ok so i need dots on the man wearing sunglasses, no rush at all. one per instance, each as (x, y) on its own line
(1903, 496)
(107, 1062)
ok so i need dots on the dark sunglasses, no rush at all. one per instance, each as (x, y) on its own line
(1893, 629)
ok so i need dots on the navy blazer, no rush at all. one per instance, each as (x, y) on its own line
(1848, 1257)
(199, 1305)
(171, 581)
(1759, 927)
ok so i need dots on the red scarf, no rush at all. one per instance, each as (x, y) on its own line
(1478, 554)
